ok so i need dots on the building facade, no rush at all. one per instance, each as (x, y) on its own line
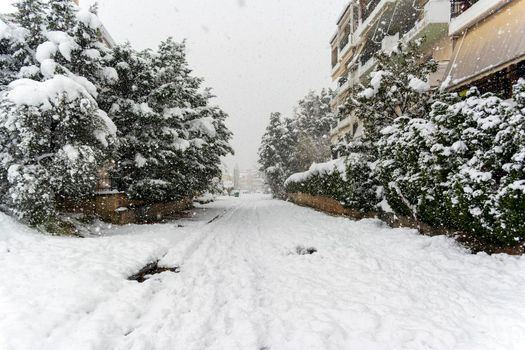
(475, 43)
(489, 45)
(368, 26)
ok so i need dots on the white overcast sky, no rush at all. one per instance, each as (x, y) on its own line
(259, 56)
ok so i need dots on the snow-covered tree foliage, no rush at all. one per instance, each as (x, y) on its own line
(11, 39)
(276, 158)
(55, 137)
(293, 144)
(461, 167)
(61, 15)
(171, 137)
(313, 120)
(397, 88)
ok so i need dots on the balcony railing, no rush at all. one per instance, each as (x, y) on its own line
(369, 7)
(460, 6)
(344, 42)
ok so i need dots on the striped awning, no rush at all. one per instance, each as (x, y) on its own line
(491, 45)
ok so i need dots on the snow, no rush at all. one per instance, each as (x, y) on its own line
(203, 125)
(110, 74)
(34, 93)
(242, 285)
(28, 71)
(48, 67)
(89, 19)
(110, 126)
(45, 51)
(418, 85)
(375, 82)
(65, 43)
(71, 152)
(140, 161)
(327, 168)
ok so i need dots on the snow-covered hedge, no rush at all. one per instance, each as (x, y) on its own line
(462, 167)
(345, 179)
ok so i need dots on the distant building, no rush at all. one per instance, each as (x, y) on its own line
(489, 45)
(252, 180)
(368, 26)
(236, 178)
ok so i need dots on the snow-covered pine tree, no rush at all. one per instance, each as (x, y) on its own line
(171, 138)
(126, 103)
(61, 16)
(30, 15)
(11, 37)
(56, 138)
(173, 98)
(313, 120)
(276, 158)
(87, 53)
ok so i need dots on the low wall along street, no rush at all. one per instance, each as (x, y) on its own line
(118, 208)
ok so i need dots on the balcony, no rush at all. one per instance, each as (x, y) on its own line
(457, 7)
(433, 22)
(466, 13)
(366, 67)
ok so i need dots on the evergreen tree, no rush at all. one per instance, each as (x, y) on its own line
(30, 16)
(11, 37)
(56, 139)
(313, 120)
(171, 138)
(61, 16)
(276, 157)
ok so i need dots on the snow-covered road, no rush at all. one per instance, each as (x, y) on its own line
(242, 285)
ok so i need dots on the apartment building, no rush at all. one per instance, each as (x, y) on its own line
(489, 45)
(368, 26)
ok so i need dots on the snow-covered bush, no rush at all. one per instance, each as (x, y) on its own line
(323, 179)
(462, 167)
(449, 162)
(345, 179)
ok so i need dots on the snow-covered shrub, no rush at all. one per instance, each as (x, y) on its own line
(323, 179)
(403, 148)
(345, 179)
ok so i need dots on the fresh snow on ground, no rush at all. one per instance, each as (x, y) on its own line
(242, 285)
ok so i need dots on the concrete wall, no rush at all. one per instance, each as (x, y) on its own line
(118, 209)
